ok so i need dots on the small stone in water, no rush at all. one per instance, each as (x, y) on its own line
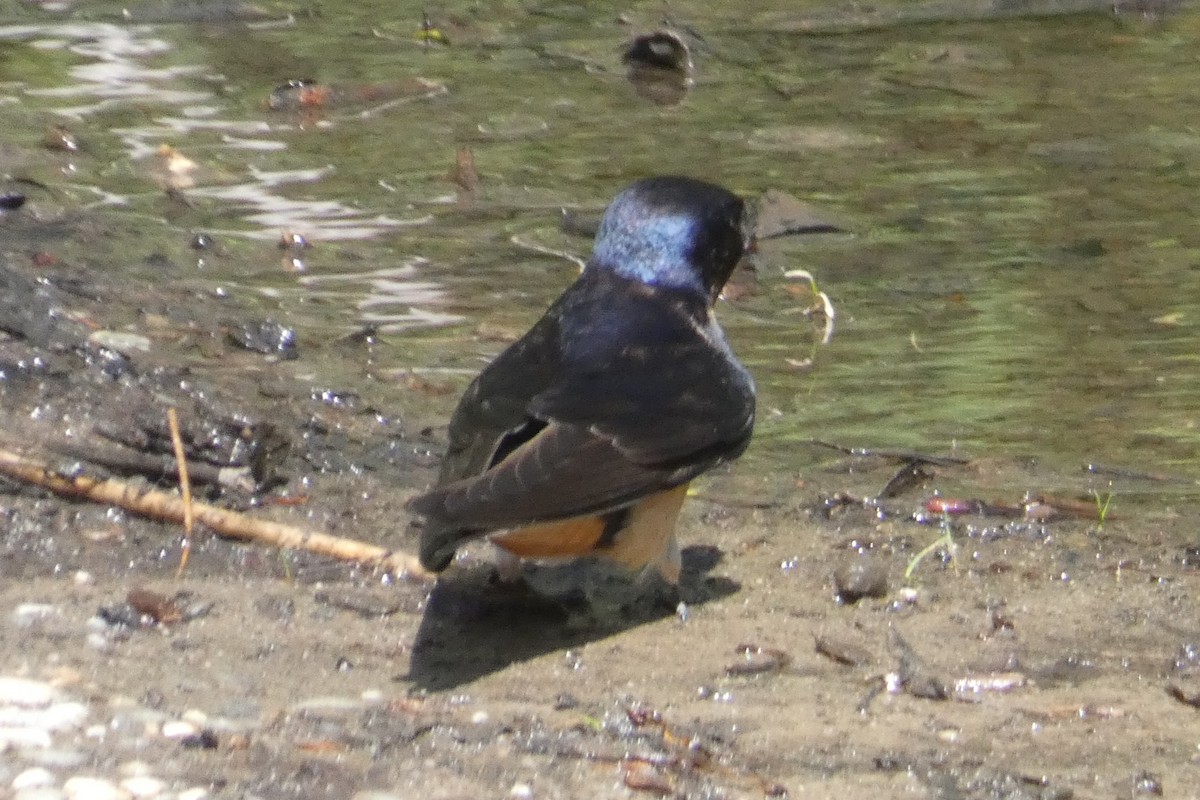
(266, 336)
(201, 241)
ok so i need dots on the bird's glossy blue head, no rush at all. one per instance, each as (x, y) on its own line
(673, 233)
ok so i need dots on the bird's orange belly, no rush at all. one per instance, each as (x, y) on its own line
(647, 531)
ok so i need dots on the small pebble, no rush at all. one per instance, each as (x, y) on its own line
(39, 793)
(14, 737)
(178, 729)
(61, 716)
(99, 641)
(32, 778)
(204, 740)
(28, 614)
(82, 787)
(201, 241)
(134, 769)
(143, 786)
(865, 576)
(756, 660)
(479, 717)
(122, 342)
(11, 201)
(1146, 783)
(522, 791)
(194, 793)
(266, 336)
(26, 693)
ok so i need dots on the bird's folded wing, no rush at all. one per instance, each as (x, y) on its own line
(658, 406)
(563, 471)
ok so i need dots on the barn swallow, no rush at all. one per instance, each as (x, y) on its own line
(581, 438)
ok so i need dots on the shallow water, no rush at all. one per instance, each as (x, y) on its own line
(1019, 275)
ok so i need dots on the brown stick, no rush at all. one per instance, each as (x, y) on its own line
(185, 485)
(185, 490)
(164, 506)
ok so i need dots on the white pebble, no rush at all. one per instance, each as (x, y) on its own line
(521, 791)
(143, 786)
(479, 717)
(194, 793)
(27, 614)
(58, 717)
(23, 737)
(123, 342)
(179, 729)
(134, 769)
(949, 735)
(99, 641)
(32, 778)
(82, 577)
(39, 793)
(26, 693)
(82, 787)
(64, 716)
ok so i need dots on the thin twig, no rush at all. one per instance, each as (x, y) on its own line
(166, 506)
(185, 489)
(185, 485)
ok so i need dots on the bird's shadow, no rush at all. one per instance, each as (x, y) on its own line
(474, 625)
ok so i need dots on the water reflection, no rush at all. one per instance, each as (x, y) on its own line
(395, 298)
(117, 71)
(327, 220)
(1021, 277)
